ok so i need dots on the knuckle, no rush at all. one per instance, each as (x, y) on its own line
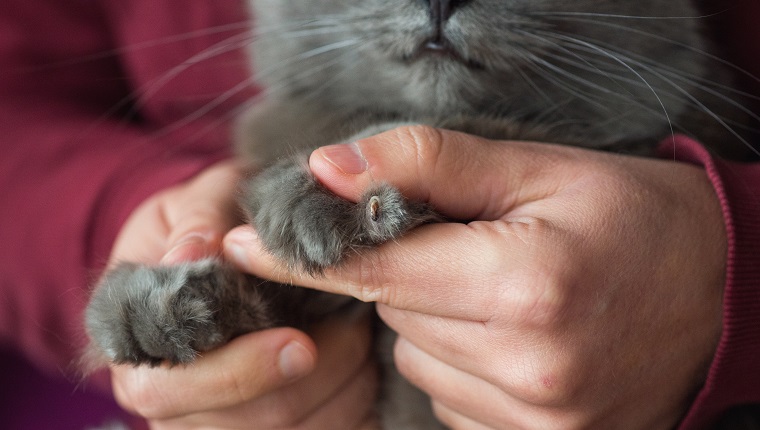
(427, 140)
(539, 293)
(370, 286)
(537, 304)
(544, 302)
(540, 298)
(427, 144)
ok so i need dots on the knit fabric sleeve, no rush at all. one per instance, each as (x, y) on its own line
(92, 122)
(734, 376)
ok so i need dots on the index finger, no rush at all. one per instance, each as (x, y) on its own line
(463, 271)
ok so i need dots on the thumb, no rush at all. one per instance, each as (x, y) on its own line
(248, 367)
(463, 176)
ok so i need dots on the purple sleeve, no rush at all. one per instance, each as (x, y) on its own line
(73, 164)
(734, 376)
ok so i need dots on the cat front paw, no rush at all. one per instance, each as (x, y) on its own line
(309, 228)
(147, 315)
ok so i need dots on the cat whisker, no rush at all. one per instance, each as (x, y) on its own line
(672, 42)
(551, 73)
(237, 41)
(134, 47)
(307, 72)
(613, 74)
(248, 83)
(231, 44)
(617, 16)
(623, 61)
(689, 79)
(589, 64)
(274, 87)
(598, 91)
(205, 109)
(333, 79)
(140, 96)
(696, 102)
(531, 83)
(318, 25)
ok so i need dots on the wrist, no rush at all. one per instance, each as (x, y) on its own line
(733, 375)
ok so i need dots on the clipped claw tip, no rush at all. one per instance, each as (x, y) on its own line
(374, 208)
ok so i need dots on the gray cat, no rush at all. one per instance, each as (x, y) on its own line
(609, 74)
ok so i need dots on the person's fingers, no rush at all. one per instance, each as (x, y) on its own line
(454, 340)
(340, 392)
(248, 367)
(350, 407)
(464, 177)
(207, 211)
(470, 271)
(451, 386)
(455, 420)
(347, 408)
(513, 363)
(344, 350)
(463, 392)
(182, 223)
(427, 270)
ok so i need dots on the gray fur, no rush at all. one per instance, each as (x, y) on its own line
(146, 315)
(592, 73)
(565, 71)
(310, 229)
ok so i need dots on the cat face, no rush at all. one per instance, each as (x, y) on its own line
(595, 61)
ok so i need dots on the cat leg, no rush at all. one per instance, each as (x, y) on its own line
(309, 228)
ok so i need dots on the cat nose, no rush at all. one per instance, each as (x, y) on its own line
(441, 10)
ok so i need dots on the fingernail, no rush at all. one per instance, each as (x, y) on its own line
(296, 361)
(242, 235)
(237, 253)
(345, 156)
(236, 245)
(187, 248)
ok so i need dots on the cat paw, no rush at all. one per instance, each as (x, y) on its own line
(148, 315)
(309, 228)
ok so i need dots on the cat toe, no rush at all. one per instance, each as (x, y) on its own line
(174, 326)
(148, 315)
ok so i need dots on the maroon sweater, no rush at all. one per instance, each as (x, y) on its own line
(72, 168)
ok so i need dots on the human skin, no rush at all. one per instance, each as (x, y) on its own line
(580, 290)
(279, 378)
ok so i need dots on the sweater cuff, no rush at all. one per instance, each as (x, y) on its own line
(734, 375)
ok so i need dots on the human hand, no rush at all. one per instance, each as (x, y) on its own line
(584, 290)
(262, 380)
(182, 223)
(269, 379)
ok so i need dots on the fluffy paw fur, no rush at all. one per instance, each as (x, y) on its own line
(309, 228)
(141, 314)
(148, 315)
